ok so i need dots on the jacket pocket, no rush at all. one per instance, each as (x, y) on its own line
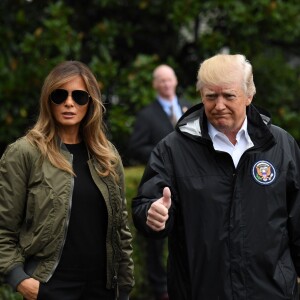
(40, 214)
(285, 274)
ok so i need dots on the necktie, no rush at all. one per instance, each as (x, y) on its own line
(173, 117)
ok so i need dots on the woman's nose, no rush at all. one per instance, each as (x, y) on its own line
(69, 101)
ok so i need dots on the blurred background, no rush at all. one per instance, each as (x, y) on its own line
(122, 42)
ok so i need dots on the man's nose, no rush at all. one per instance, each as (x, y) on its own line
(220, 103)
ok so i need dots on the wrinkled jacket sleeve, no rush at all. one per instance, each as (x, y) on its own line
(157, 175)
(14, 166)
(126, 278)
(293, 196)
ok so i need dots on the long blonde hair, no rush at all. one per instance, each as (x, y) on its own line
(44, 133)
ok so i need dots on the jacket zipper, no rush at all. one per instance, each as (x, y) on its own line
(116, 285)
(114, 278)
(66, 227)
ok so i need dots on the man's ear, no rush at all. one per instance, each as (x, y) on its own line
(249, 100)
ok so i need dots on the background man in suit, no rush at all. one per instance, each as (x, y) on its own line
(153, 123)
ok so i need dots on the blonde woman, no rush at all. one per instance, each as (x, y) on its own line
(63, 218)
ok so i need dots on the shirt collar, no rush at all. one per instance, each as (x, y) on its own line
(167, 103)
(212, 131)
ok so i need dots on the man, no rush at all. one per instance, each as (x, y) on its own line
(224, 187)
(153, 123)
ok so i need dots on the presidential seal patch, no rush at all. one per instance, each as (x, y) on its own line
(263, 172)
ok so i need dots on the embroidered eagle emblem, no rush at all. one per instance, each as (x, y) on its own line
(263, 172)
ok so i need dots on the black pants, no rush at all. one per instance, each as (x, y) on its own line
(155, 264)
(74, 285)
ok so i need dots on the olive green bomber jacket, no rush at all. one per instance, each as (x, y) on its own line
(35, 204)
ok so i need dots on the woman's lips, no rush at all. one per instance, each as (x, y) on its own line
(68, 114)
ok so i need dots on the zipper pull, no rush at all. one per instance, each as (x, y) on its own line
(116, 286)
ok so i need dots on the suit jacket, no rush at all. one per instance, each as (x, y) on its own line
(152, 124)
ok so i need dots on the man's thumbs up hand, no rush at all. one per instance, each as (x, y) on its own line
(166, 199)
(158, 212)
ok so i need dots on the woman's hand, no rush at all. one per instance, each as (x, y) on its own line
(29, 288)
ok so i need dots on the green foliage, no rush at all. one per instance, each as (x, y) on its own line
(27, 58)
(122, 41)
(7, 294)
(136, 78)
(283, 86)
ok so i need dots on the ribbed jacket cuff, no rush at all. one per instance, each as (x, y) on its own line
(15, 276)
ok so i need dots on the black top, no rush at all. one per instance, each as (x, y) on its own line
(85, 245)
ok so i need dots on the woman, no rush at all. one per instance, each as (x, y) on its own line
(63, 218)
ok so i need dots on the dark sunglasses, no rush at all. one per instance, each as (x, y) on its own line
(59, 96)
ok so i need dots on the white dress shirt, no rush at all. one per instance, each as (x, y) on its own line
(222, 143)
(166, 105)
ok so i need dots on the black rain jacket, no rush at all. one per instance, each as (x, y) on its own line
(234, 233)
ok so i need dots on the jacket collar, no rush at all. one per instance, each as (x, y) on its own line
(194, 124)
